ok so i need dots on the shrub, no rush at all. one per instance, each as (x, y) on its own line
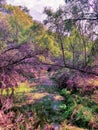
(81, 116)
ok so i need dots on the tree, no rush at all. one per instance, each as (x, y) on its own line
(41, 37)
(56, 24)
(72, 15)
(19, 21)
(5, 31)
(17, 61)
(17, 64)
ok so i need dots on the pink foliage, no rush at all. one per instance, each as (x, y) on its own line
(17, 63)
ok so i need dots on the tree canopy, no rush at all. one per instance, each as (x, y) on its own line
(25, 43)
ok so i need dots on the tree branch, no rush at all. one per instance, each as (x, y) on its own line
(72, 68)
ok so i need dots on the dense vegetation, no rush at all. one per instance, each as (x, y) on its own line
(64, 50)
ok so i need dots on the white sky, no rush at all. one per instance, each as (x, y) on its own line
(36, 7)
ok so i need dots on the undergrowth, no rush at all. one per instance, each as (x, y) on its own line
(80, 111)
(73, 109)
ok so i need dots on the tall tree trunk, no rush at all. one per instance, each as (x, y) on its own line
(62, 49)
(85, 53)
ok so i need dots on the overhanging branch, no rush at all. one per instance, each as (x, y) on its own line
(72, 68)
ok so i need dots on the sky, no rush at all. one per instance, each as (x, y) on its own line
(36, 7)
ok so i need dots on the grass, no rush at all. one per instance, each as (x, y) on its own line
(23, 88)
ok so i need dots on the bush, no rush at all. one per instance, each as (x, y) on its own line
(79, 110)
(81, 116)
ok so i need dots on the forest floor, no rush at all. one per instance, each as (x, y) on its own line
(47, 94)
(48, 104)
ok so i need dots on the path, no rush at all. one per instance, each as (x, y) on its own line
(45, 80)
